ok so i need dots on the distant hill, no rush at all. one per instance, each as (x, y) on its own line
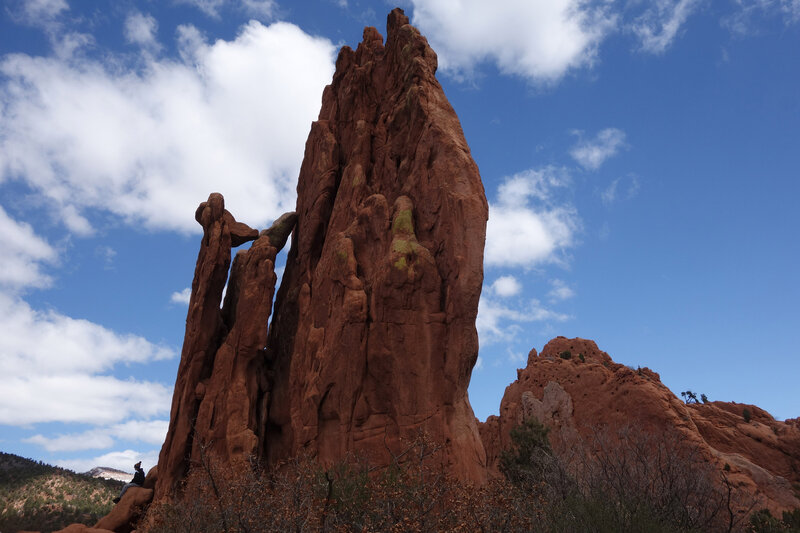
(106, 472)
(37, 496)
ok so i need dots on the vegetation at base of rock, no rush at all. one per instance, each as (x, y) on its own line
(762, 521)
(36, 496)
(634, 482)
(615, 490)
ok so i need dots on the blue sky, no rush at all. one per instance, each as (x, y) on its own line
(640, 160)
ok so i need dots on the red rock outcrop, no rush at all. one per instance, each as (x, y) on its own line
(574, 388)
(373, 337)
(374, 333)
(222, 375)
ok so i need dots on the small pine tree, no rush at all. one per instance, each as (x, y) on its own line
(746, 414)
(704, 398)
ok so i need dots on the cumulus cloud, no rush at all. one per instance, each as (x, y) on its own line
(498, 322)
(592, 153)
(55, 370)
(120, 460)
(658, 26)
(141, 30)
(231, 117)
(540, 40)
(526, 226)
(181, 297)
(23, 253)
(149, 431)
(506, 286)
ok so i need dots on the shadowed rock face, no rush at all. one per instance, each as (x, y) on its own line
(374, 332)
(222, 374)
(575, 396)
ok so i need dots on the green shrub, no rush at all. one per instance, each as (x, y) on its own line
(746, 415)
(566, 354)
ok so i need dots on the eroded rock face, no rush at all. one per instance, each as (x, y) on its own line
(575, 396)
(374, 332)
(222, 375)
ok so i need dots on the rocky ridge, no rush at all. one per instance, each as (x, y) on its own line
(575, 388)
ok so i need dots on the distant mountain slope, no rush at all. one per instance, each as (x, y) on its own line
(106, 472)
(41, 497)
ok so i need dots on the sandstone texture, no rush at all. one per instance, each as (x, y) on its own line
(575, 396)
(126, 513)
(374, 337)
(222, 375)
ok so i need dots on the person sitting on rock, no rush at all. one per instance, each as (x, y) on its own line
(137, 481)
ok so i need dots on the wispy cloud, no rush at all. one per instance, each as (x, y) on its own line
(559, 291)
(592, 153)
(23, 254)
(141, 29)
(658, 26)
(498, 322)
(120, 460)
(147, 431)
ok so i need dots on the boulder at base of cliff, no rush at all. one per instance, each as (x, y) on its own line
(127, 512)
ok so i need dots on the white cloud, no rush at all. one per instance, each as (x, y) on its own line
(532, 184)
(38, 11)
(658, 26)
(148, 431)
(742, 21)
(611, 193)
(525, 226)
(234, 119)
(54, 365)
(560, 291)
(120, 460)
(540, 40)
(498, 322)
(181, 297)
(506, 286)
(23, 252)
(262, 9)
(141, 30)
(592, 153)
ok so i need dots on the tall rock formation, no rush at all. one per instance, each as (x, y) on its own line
(575, 388)
(374, 334)
(222, 373)
(373, 338)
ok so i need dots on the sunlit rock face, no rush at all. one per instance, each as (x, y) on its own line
(374, 337)
(577, 390)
